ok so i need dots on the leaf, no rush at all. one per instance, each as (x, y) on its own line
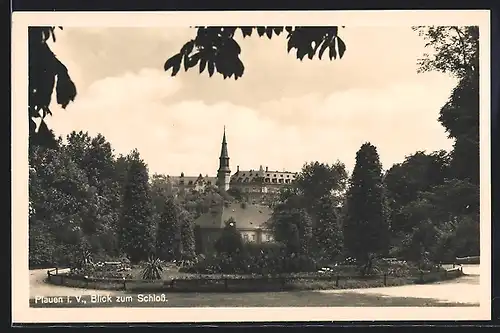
(187, 48)
(324, 46)
(332, 52)
(173, 61)
(269, 33)
(191, 61)
(341, 46)
(277, 30)
(203, 64)
(211, 68)
(246, 31)
(301, 53)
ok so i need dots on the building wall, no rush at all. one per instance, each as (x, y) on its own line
(210, 236)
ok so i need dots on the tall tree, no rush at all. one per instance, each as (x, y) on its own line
(60, 198)
(317, 180)
(365, 224)
(187, 235)
(168, 237)
(136, 213)
(327, 234)
(456, 52)
(404, 182)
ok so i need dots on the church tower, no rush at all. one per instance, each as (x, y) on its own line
(224, 173)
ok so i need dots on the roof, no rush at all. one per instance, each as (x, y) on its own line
(260, 175)
(190, 180)
(251, 217)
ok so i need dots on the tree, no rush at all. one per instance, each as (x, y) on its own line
(230, 241)
(95, 156)
(213, 48)
(60, 198)
(292, 226)
(327, 234)
(187, 235)
(136, 212)
(365, 226)
(168, 237)
(318, 180)
(404, 182)
(456, 52)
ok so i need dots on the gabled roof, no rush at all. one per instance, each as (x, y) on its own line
(251, 217)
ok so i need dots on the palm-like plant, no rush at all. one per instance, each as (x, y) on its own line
(152, 269)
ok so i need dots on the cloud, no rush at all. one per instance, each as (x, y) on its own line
(133, 111)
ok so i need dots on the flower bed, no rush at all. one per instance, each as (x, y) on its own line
(239, 283)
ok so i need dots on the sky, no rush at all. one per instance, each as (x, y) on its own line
(281, 113)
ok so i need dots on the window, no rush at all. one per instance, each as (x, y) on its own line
(268, 175)
(190, 182)
(287, 181)
(253, 237)
(281, 175)
(274, 175)
(281, 181)
(267, 180)
(274, 180)
(287, 176)
(245, 237)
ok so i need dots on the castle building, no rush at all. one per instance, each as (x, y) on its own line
(251, 217)
(258, 183)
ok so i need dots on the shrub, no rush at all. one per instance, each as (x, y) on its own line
(152, 269)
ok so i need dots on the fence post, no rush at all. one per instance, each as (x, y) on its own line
(57, 271)
(385, 280)
(421, 276)
(124, 284)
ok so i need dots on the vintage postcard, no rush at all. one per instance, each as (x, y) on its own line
(251, 166)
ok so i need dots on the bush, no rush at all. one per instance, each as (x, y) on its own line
(152, 269)
(260, 259)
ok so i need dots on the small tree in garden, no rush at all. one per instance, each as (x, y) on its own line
(230, 242)
(153, 269)
(187, 235)
(168, 238)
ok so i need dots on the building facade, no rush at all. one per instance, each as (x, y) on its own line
(257, 183)
(251, 217)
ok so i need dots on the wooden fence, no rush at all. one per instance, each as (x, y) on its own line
(228, 284)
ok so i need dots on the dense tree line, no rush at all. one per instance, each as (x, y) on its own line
(83, 198)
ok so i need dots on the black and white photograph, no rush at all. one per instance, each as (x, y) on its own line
(253, 165)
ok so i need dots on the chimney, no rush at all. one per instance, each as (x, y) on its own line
(237, 168)
(267, 169)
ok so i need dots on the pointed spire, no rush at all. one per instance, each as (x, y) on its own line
(223, 152)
